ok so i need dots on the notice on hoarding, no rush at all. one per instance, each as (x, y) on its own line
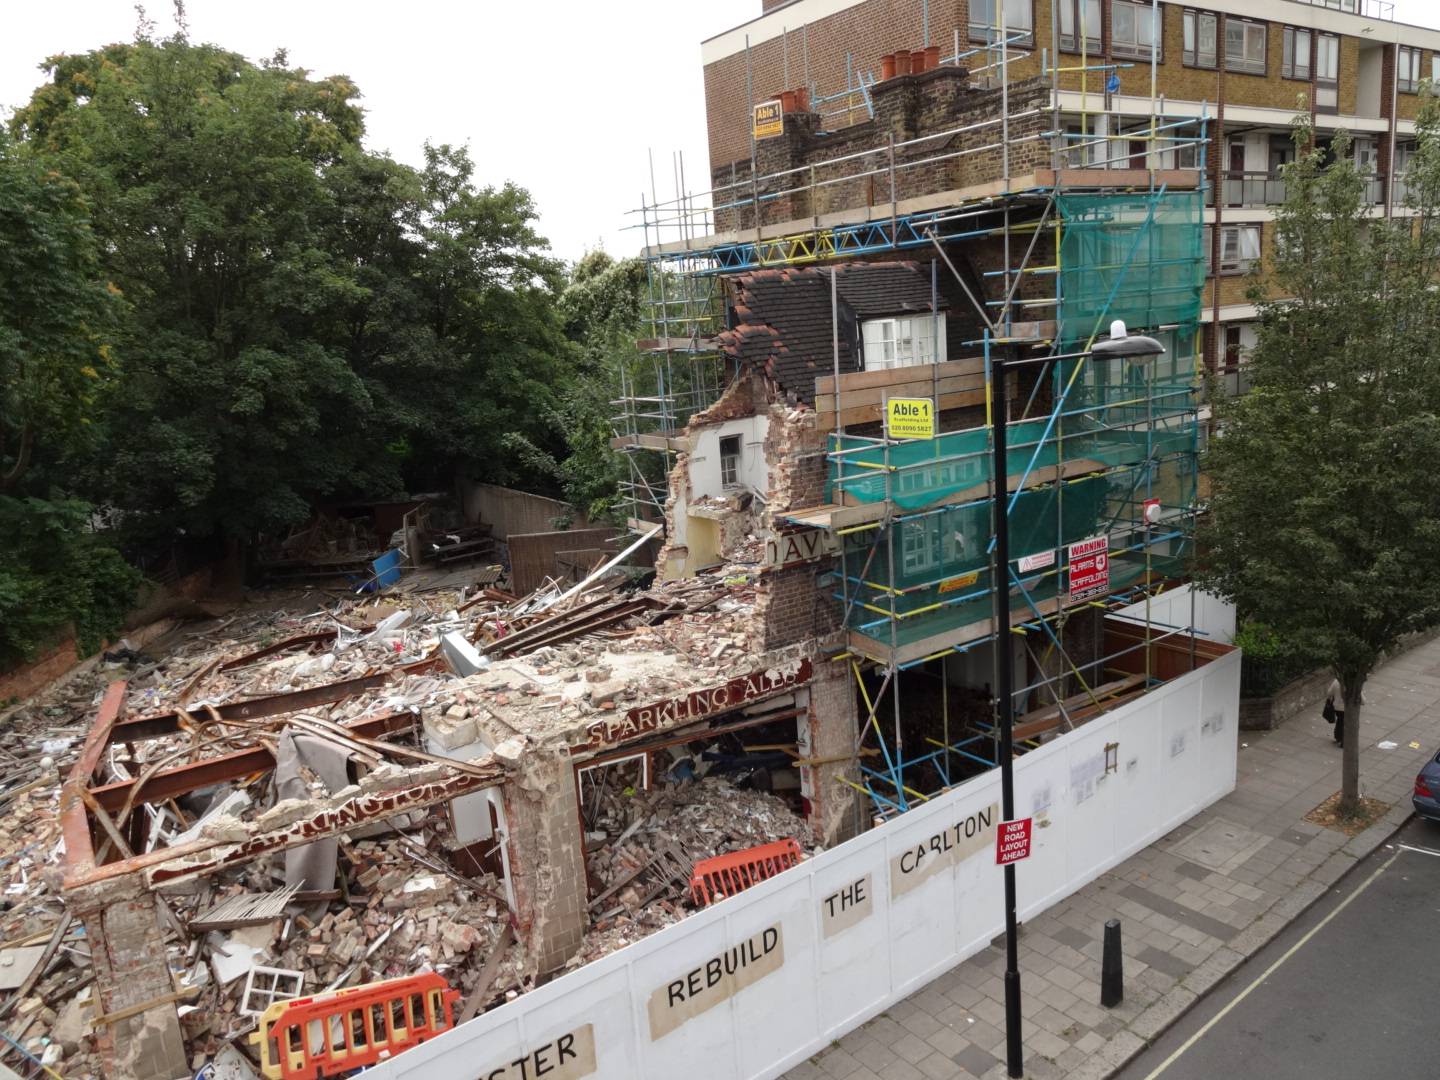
(919, 862)
(846, 906)
(1090, 568)
(1012, 842)
(910, 418)
(768, 119)
(715, 981)
(569, 1057)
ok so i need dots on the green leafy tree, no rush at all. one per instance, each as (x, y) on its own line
(57, 313)
(207, 175)
(1325, 516)
(602, 310)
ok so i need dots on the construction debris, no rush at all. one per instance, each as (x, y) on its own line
(256, 722)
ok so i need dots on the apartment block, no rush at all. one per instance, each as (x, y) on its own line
(1107, 68)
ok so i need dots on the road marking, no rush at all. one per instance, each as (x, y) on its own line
(1421, 850)
(1274, 967)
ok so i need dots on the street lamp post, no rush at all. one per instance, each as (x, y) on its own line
(1138, 349)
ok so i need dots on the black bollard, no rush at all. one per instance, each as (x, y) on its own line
(1112, 973)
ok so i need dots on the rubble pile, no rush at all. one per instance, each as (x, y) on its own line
(472, 670)
(702, 819)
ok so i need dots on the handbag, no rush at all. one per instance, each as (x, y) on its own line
(1329, 711)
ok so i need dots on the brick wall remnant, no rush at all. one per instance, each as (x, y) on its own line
(546, 857)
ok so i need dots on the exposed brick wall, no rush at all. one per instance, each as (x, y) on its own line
(836, 812)
(26, 679)
(871, 29)
(906, 107)
(127, 953)
(546, 858)
(865, 32)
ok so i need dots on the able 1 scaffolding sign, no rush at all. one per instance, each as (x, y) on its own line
(1089, 568)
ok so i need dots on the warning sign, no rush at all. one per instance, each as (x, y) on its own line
(1090, 568)
(955, 584)
(1012, 842)
(768, 119)
(1037, 562)
(910, 418)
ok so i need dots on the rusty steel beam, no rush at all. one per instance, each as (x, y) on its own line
(318, 637)
(74, 820)
(171, 783)
(157, 725)
(206, 857)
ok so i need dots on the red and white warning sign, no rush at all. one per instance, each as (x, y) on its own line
(1012, 842)
(1090, 568)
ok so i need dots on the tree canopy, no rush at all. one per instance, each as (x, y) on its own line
(1324, 517)
(219, 309)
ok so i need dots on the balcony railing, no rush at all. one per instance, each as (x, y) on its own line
(1253, 189)
(1267, 189)
(1371, 9)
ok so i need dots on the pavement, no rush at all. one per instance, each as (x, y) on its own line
(1345, 990)
(1194, 906)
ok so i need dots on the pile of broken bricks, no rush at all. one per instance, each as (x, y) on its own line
(397, 909)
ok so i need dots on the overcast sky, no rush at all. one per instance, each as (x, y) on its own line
(563, 98)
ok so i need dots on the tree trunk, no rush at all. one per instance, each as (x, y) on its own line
(1350, 750)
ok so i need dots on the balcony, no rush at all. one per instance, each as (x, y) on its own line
(1246, 189)
(1253, 189)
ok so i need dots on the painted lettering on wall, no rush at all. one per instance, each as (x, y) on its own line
(920, 861)
(716, 980)
(568, 1057)
(368, 806)
(847, 906)
(697, 704)
(799, 547)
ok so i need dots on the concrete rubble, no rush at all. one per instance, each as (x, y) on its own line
(408, 893)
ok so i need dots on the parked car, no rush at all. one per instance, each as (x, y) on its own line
(1427, 790)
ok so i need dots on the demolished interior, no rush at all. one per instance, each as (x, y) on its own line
(325, 792)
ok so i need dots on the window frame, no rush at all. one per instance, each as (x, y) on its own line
(1289, 53)
(1240, 265)
(1137, 51)
(1191, 57)
(903, 349)
(1097, 40)
(1412, 85)
(1242, 65)
(989, 33)
(730, 462)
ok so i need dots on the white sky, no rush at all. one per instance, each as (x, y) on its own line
(563, 98)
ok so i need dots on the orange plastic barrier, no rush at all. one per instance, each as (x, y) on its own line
(339, 1032)
(729, 874)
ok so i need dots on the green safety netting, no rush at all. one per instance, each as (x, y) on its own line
(1133, 257)
(935, 553)
(1109, 425)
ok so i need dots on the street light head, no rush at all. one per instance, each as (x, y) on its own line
(1136, 348)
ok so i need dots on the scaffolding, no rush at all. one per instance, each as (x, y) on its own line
(1099, 451)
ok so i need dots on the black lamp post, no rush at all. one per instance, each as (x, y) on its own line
(1138, 348)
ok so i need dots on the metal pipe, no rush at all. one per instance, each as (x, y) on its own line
(1005, 706)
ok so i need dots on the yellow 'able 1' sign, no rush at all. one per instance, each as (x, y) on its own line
(910, 418)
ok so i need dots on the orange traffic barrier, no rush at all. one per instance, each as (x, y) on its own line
(725, 875)
(336, 1033)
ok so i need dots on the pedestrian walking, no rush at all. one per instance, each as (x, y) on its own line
(1334, 711)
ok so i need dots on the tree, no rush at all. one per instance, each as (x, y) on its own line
(602, 310)
(1324, 517)
(206, 172)
(57, 313)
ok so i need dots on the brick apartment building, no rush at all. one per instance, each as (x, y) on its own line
(1247, 66)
